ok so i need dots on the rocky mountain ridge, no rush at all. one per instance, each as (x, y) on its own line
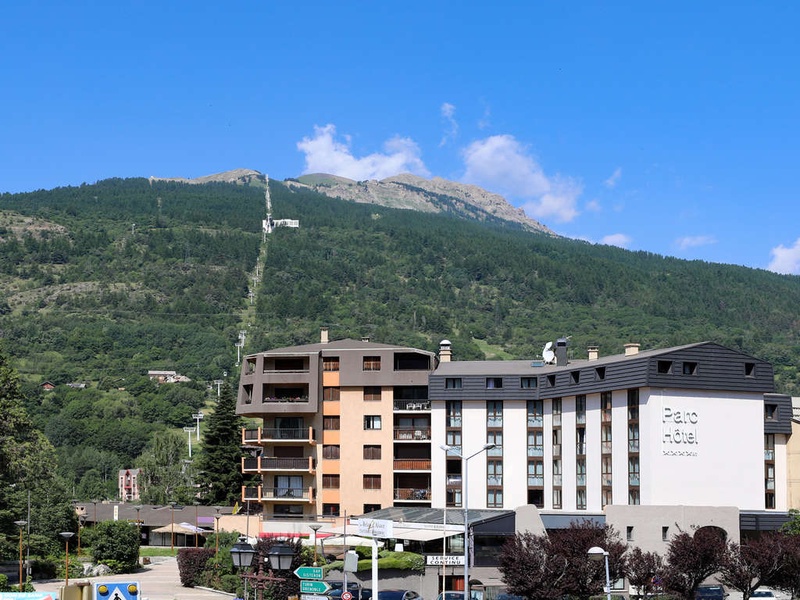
(405, 191)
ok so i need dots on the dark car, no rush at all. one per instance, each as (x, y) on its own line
(398, 595)
(359, 593)
(710, 592)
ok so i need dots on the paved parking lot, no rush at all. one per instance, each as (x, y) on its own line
(157, 581)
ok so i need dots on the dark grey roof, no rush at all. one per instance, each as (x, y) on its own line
(339, 345)
(563, 521)
(434, 516)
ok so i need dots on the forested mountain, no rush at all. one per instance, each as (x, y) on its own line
(100, 283)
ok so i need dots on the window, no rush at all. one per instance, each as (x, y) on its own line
(372, 392)
(580, 471)
(250, 366)
(288, 510)
(536, 443)
(330, 451)
(605, 406)
(330, 394)
(494, 473)
(689, 368)
(454, 438)
(496, 438)
(600, 373)
(557, 471)
(372, 452)
(770, 412)
(633, 497)
(330, 363)
(580, 409)
(494, 499)
(330, 482)
(606, 497)
(372, 422)
(368, 508)
(664, 367)
(633, 404)
(330, 510)
(749, 369)
(633, 470)
(580, 440)
(605, 439)
(769, 446)
(535, 413)
(556, 442)
(494, 414)
(528, 383)
(580, 499)
(629, 533)
(453, 409)
(535, 473)
(372, 363)
(494, 383)
(605, 466)
(452, 383)
(372, 482)
(551, 380)
(330, 423)
(575, 377)
(664, 533)
(556, 411)
(557, 498)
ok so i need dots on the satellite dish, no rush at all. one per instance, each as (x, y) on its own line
(547, 353)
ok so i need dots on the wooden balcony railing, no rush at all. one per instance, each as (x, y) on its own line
(412, 494)
(412, 464)
(412, 433)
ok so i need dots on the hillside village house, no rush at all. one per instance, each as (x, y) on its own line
(650, 442)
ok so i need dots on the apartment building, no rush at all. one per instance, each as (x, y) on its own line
(345, 428)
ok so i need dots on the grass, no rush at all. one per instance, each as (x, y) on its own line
(157, 551)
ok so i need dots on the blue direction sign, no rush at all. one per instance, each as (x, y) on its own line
(310, 586)
(308, 572)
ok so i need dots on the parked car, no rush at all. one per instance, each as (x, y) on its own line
(398, 595)
(354, 587)
(450, 595)
(762, 593)
(710, 592)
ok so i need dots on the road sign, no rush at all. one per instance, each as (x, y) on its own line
(308, 572)
(313, 597)
(347, 596)
(117, 591)
(310, 586)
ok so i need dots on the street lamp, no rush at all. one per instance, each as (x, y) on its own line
(280, 558)
(465, 503)
(597, 553)
(242, 555)
(316, 527)
(20, 524)
(172, 527)
(66, 535)
(216, 530)
(81, 520)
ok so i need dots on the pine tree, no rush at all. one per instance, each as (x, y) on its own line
(219, 477)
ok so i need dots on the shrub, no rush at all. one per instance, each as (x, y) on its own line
(117, 543)
(192, 563)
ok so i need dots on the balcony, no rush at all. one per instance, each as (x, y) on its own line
(453, 481)
(290, 494)
(412, 494)
(266, 464)
(412, 434)
(412, 464)
(277, 435)
(535, 480)
(412, 405)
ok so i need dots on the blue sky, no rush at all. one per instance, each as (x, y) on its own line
(669, 127)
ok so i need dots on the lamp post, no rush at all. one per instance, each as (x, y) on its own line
(81, 519)
(316, 527)
(280, 558)
(216, 530)
(66, 535)
(242, 555)
(138, 522)
(20, 524)
(465, 504)
(172, 527)
(597, 553)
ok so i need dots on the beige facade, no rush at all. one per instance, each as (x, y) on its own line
(793, 458)
(345, 428)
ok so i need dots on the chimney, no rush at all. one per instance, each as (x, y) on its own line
(323, 335)
(364, 338)
(561, 352)
(631, 349)
(445, 353)
(594, 352)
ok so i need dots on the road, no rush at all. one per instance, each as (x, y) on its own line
(157, 581)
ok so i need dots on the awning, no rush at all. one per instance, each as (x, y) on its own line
(181, 528)
(417, 534)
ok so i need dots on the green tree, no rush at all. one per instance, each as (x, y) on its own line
(115, 543)
(220, 478)
(165, 476)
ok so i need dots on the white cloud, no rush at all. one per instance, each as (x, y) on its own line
(786, 260)
(501, 164)
(448, 114)
(593, 205)
(693, 241)
(612, 181)
(617, 239)
(326, 155)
